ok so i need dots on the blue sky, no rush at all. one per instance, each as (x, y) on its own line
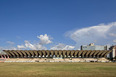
(21, 21)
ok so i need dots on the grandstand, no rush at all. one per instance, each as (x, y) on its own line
(55, 55)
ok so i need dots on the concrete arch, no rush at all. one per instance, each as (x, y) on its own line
(92, 52)
(68, 53)
(107, 53)
(5, 56)
(14, 56)
(96, 52)
(1, 56)
(76, 53)
(60, 53)
(24, 54)
(7, 51)
(27, 52)
(52, 53)
(21, 54)
(83, 54)
(98, 55)
(44, 53)
(79, 54)
(14, 53)
(56, 52)
(72, 53)
(103, 53)
(40, 53)
(17, 55)
(36, 54)
(88, 52)
(48, 53)
(32, 54)
(64, 53)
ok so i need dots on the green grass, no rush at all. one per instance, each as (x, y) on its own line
(57, 69)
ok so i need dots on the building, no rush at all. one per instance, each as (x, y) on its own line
(91, 46)
(113, 53)
(87, 53)
(54, 55)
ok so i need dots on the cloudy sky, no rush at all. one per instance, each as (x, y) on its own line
(56, 24)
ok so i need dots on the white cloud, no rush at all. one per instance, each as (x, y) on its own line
(112, 34)
(40, 47)
(8, 48)
(28, 45)
(11, 48)
(44, 39)
(101, 33)
(114, 41)
(61, 46)
(68, 47)
(21, 47)
(10, 42)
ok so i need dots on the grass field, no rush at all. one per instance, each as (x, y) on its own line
(57, 69)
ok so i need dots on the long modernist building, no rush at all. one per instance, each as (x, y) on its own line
(55, 53)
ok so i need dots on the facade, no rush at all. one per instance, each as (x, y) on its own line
(113, 53)
(87, 53)
(99, 47)
(95, 47)
(55, 53)
(54, 56)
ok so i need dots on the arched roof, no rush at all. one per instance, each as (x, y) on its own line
(64, 53)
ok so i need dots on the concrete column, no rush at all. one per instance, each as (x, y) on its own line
(2, 56)
(8, 56)
(5, 56)
(113, 53)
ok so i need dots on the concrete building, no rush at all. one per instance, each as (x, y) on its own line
(113, 53)
(54, 55)
(91, 46)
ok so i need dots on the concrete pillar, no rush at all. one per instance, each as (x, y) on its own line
(113, 53)
(5, 56)
(8, 56)
(2, 57)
